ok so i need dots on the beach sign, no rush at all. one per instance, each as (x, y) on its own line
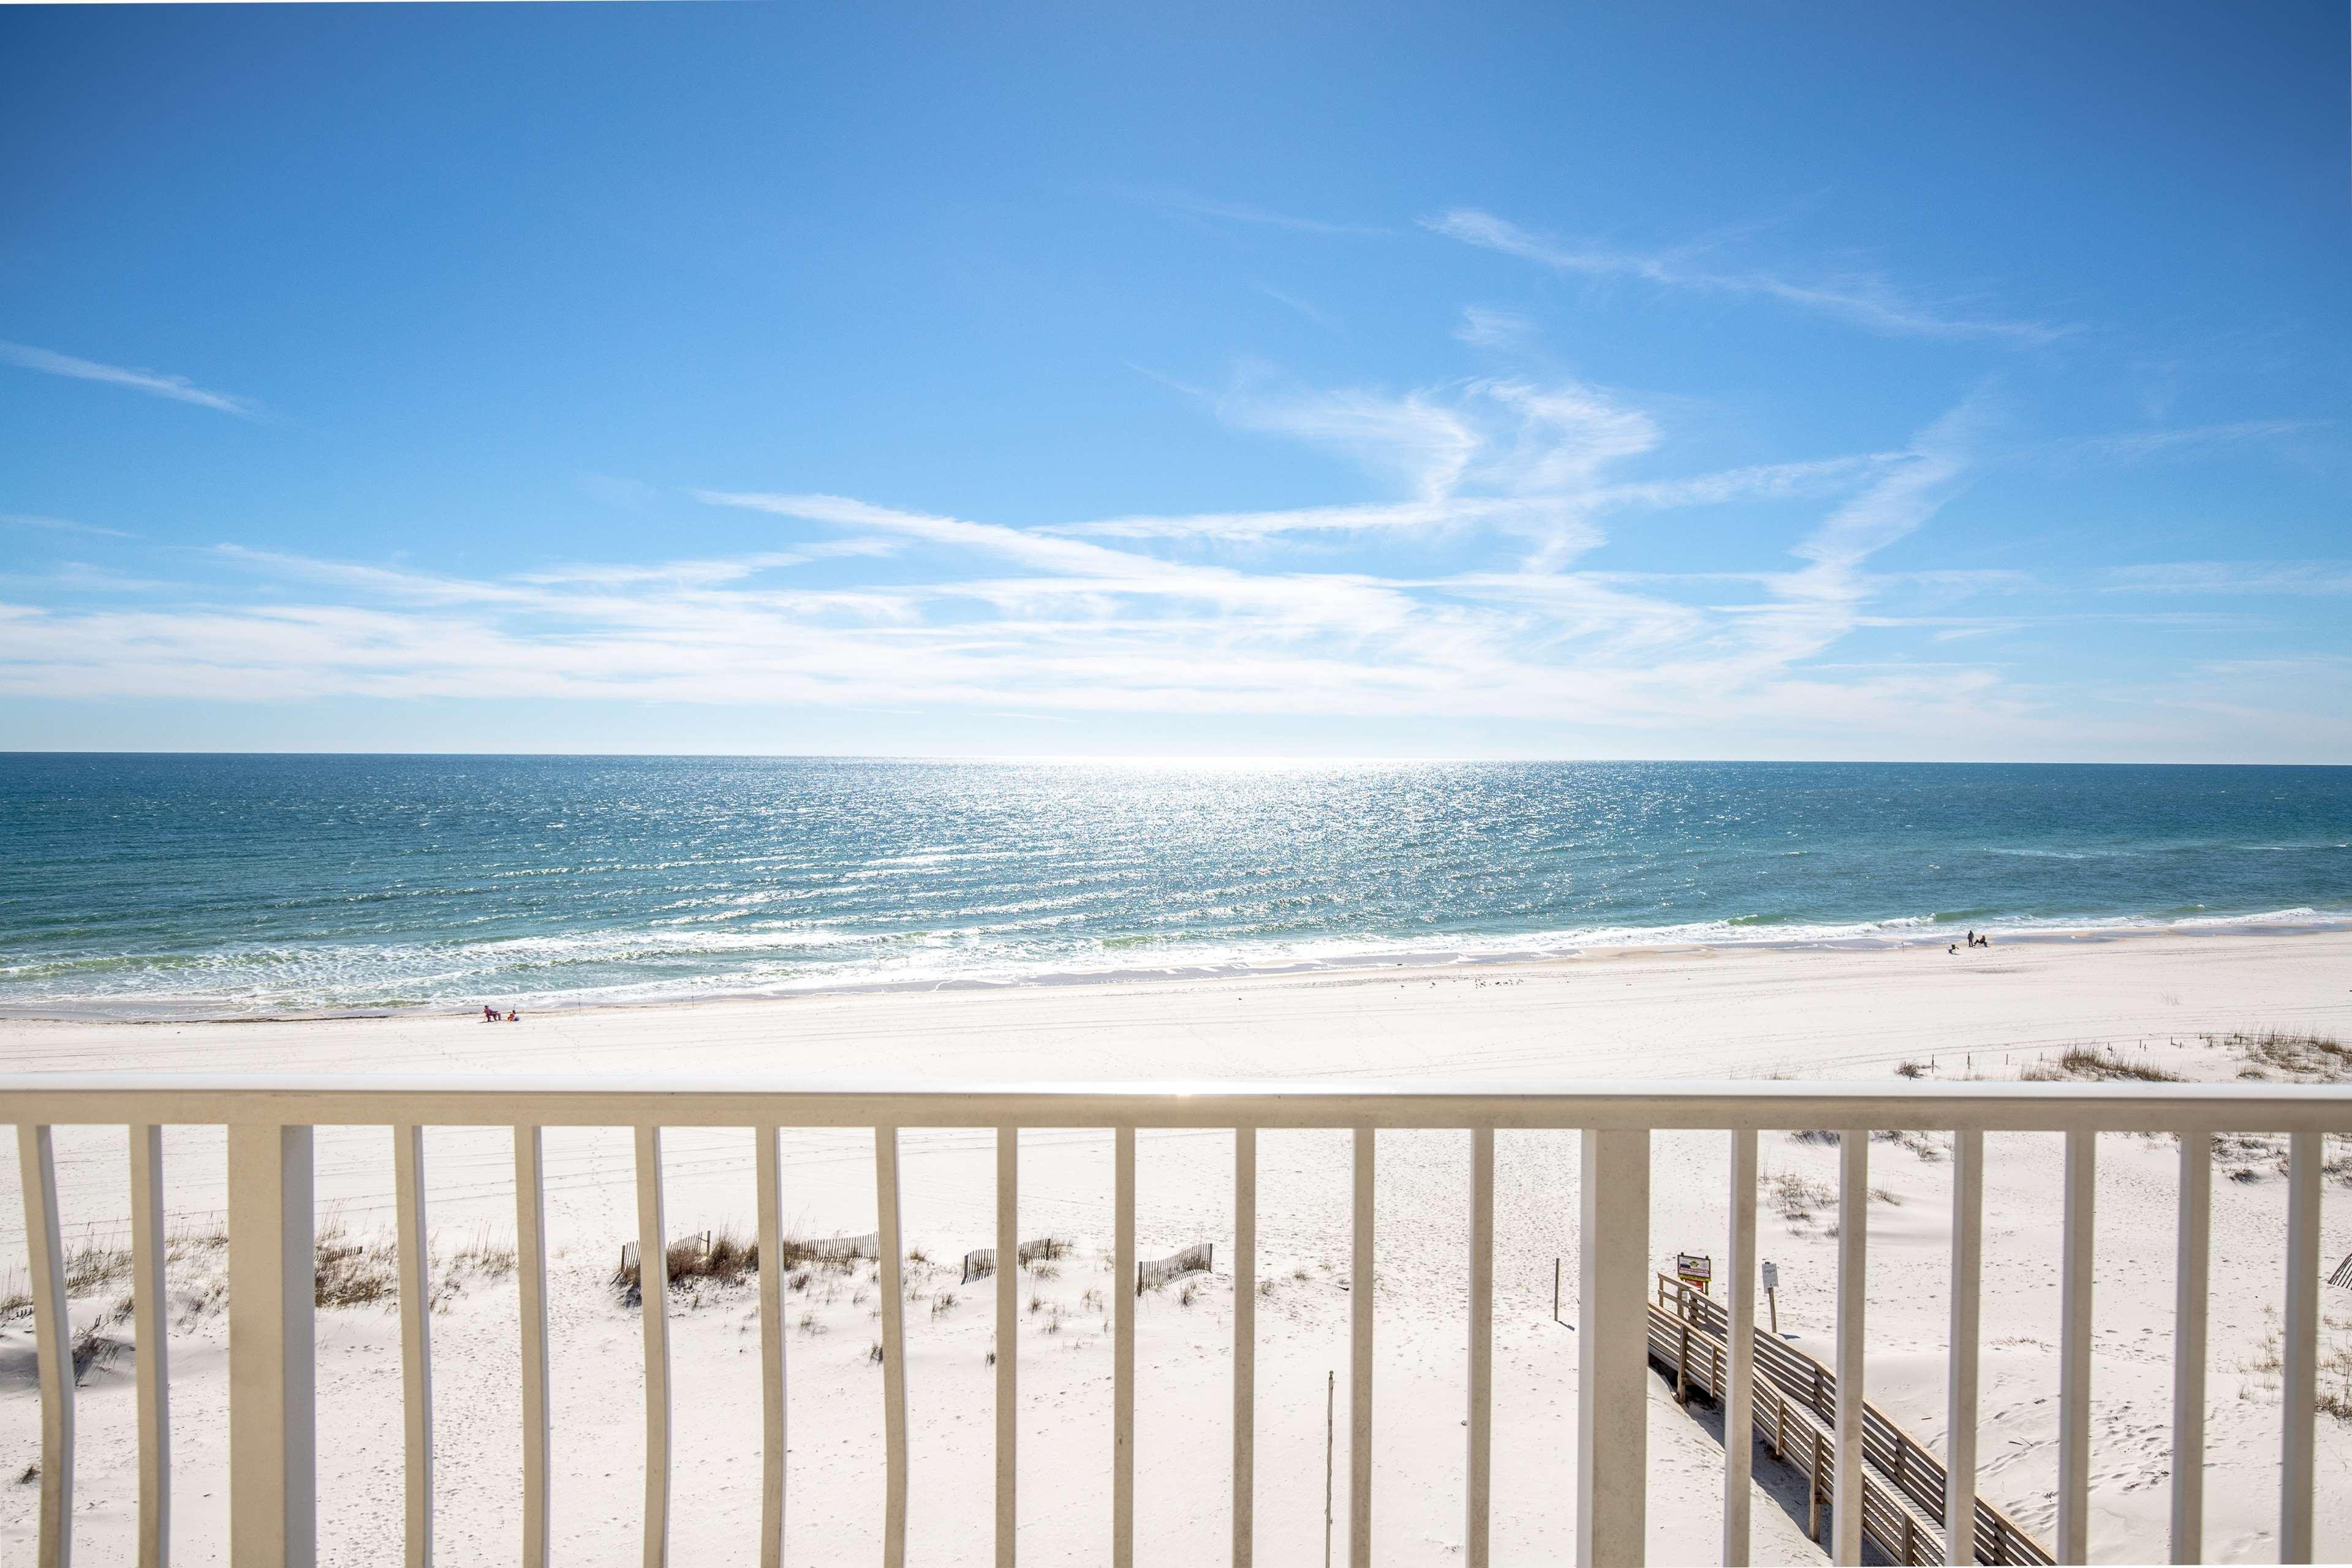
(1771, 1276)
(1694, 1269)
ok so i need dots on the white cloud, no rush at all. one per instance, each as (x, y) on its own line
(2287, 577)
(1485, 328)
(155, 383)
(1864, 299)
(1263, 217)
(1091, 619)
(61, 525)
(1306, 307)
(2141, 445)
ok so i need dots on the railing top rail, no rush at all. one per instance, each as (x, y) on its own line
(673, 1100)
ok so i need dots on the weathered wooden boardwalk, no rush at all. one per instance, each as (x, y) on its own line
(1795, 1408)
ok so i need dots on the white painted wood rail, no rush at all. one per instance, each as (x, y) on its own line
(272, 1468)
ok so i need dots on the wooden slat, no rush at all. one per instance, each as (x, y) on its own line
(1612, 1395)
(1360, 1292)
(2076, 1257)
(37, 1167)
(2299, 1372)
(1008, 1343)
(1245, 1505)
(150, 1322)
(531, 1290)
(652, 1291)
(1962, 1367)
(1853, 1292)
(893, 1248)
(1739, 1288)
(767, 1172)
(273, 1477)
(1122, 1413)
(2191, 1295)
(1479, 1497)
(414, 1264)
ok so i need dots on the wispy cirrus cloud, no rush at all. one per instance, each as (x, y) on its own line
(1483, 328)
(1306, 307)
(2174, 441)
(1231, 614)
(62, 526)
(1187, 205)
(154, 382)
(1863, 300)
(2233, 577)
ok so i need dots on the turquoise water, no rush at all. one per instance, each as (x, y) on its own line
(207, 886)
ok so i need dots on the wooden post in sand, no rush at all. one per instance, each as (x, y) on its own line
(1331, 1396)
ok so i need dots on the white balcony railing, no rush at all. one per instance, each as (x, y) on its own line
(272, 1493)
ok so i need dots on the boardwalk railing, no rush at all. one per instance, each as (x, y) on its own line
(272, 1465)
(1793, 1401)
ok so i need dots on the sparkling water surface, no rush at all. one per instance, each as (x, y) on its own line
(207, 886)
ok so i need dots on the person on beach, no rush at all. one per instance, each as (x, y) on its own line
(513, 1017)
(1972, 938)
(489, 1013)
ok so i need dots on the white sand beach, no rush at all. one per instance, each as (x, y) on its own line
(1848, 1014)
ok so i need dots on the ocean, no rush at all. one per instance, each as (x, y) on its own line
(210, 886)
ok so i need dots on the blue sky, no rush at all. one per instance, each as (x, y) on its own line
(1963, 383)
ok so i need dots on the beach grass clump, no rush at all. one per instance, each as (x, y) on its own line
(1796, 1197)
(93, 1350)
(2095, 1064)
(719, 1257)
(94, 1265)
(1912, 1070)
(352, 1273)
(2279, 1053)
(482, 1256)
(1038, 1254)
(1926, 1146)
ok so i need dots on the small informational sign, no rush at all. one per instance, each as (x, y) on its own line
(1694, 1269)
(1771, 1276)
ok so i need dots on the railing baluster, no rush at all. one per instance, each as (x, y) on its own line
(1960, 1386)
(1122, 1396)
(1478, 1495)
(894, 1348)
(2074, 1543)
(2194, 1254)
(273, 1424)
(653, 1294)
(1853, 1291)
(1362, 1290)
(1738, 1391)
(531, 1293)
(768, 1173)
(415, 1275)
(2299, 1372)
(52, 1332)
(1612, 1350)
(151, 1322)
(1008, 1346)
(1244, 1346)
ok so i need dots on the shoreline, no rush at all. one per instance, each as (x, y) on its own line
(2269, 925)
